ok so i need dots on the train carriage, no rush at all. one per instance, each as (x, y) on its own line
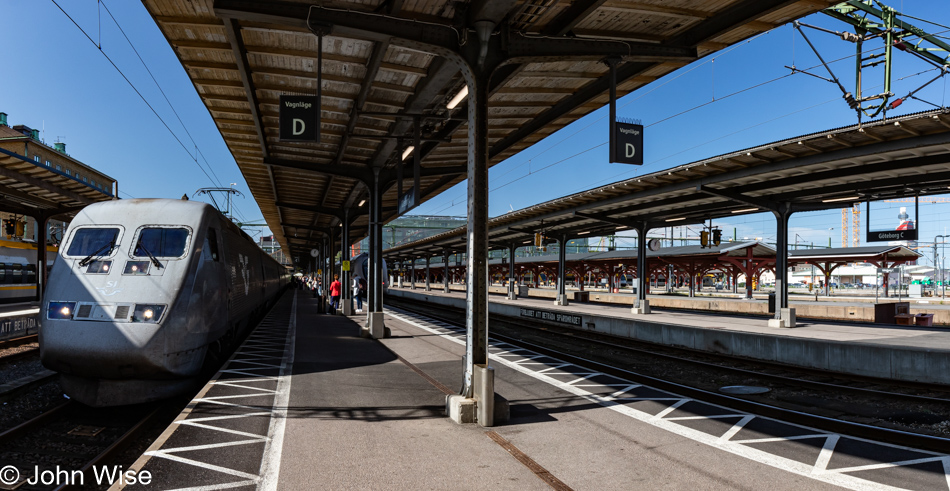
(18, 270)
(143, 291)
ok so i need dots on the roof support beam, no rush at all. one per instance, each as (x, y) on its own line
(571, 16)
(882, 185)
(439, 75)
(319, 230)
(233, 31)
(741, 13)
(333, 212)
(602, 217)
(738, 197)
(346, 171)
(529, 49)
(372, 69)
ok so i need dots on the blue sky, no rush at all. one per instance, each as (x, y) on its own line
(56, 78)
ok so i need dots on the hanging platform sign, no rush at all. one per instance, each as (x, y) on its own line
(299, 118)
(628, 143)
(892, 223)
(407, 201)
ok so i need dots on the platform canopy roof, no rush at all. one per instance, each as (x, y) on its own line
(890, 158)
(378, 72)
(730, 249)
(36, 180)
(849, 254)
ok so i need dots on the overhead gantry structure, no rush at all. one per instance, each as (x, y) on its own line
(389, 70)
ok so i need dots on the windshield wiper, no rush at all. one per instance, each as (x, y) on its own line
(99, 252)
(150, 256)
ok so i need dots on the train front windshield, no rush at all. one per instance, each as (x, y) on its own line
(162, 242)
(89, 240)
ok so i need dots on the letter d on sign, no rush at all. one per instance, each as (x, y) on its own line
(630, 150)
(299, 126)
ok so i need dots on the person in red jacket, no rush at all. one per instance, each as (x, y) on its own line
(336, 288)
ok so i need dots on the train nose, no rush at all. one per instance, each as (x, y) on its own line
(103, 340)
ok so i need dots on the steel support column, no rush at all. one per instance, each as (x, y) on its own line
(512, 281)
(42, 225)
(346, 299)
(428, 286)
(445, 270)
(641, 305)
(784, 316)
(476, 319)
(374, 322)
(561, 271)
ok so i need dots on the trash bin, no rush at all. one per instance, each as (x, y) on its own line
(904, 319)
(925, 320)
(772, 303)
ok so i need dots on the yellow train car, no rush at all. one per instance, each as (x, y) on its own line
(18, 270)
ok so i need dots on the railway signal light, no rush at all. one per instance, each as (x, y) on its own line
(538, 240)
(716, 236)
(704, 239)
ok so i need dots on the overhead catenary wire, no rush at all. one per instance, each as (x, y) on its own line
(162, 91)
(99, 47)
(698, 106)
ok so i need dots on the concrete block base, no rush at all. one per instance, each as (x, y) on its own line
(460, 409)
(347, 308)
(512, 296)
(787, 320)
(644, 308)
(778, 323)
(788, 315)
(464, 411)
(561, 300)
(377, 329)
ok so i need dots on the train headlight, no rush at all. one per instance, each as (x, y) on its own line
(60, 310)
(99, 267)
(136, 267)
(147, 313)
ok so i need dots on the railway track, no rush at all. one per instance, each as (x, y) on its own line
(13, 343)
(71, 446)
(860, 407)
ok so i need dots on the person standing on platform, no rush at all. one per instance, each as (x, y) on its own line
(336, 288)
(356, 294)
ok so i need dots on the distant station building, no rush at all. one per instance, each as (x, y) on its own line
(24, 155)
(272, 247)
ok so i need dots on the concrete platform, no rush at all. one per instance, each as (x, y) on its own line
(910, 353)
(335, 411)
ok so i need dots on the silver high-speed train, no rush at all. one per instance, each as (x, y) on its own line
(142, 291)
